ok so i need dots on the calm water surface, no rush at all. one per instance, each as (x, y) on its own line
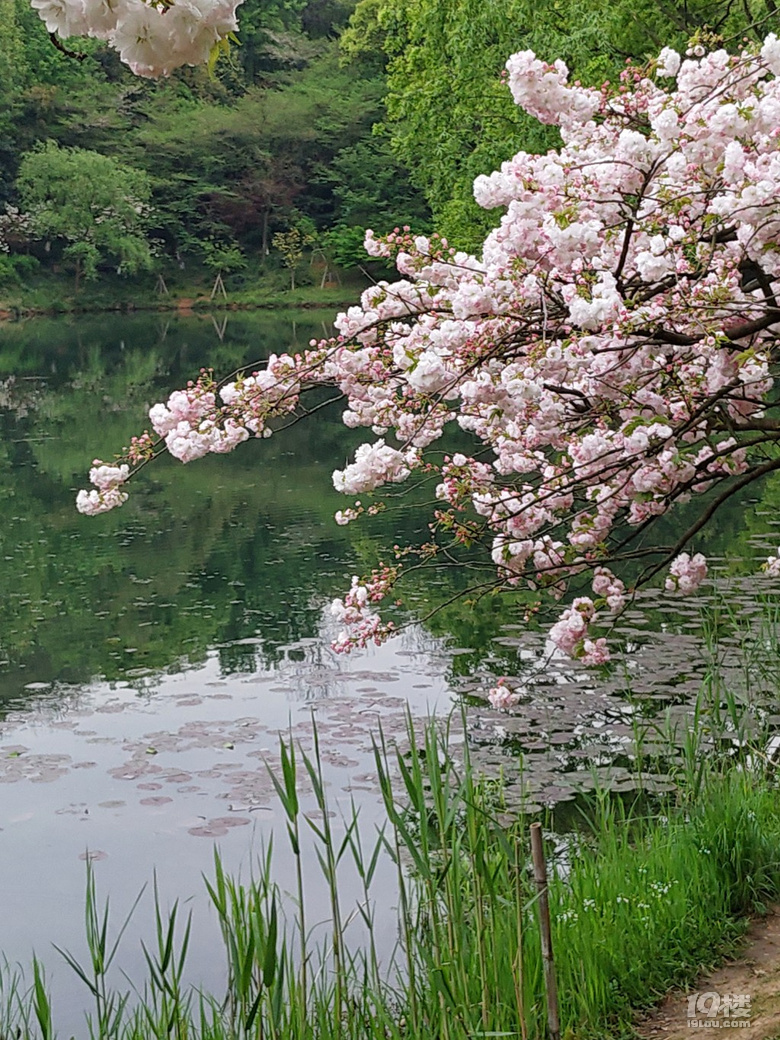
(149, 658)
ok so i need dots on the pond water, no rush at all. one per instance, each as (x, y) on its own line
(149, 658)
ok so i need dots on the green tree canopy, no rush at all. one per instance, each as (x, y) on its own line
(96, 206)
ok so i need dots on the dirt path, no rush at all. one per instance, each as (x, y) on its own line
(756, 973)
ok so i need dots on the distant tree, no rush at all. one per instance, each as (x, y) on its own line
(98, 207)
(279, 131)
(12, 73)
(371, 189)
(222, 258)
(264, 25)
(291, 245)
(250, 168)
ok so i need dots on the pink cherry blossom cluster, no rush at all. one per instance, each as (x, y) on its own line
(686, 573)
(612, 352)
(187, 423)
(346, 516)
(501, 697)
(106, 494)
(153, 37)
(375, 464)
(362, 624)
(462, 478)
(570, 633)
(611, 588)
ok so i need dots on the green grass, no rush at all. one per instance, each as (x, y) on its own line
(47, 292)
(639, 904)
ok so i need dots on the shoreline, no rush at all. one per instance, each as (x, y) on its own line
(183, 306)
(49, 297)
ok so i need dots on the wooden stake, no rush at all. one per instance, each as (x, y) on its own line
(550, 982)
(219, 329)
(219, 286)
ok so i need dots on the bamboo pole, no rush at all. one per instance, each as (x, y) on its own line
(518, 964)
(550, 981)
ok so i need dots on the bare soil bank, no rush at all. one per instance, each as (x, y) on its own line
(756, 973)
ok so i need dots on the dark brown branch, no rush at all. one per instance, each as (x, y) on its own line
(567, 391)
(709, 512)
(750, 328)
(77, 55)
(675, 339)
(310, 411)
(624, 256)
(770, 425)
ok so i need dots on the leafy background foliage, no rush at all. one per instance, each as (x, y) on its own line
(330, 116)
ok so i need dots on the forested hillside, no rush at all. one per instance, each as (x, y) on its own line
(278, 139)
(326, 118)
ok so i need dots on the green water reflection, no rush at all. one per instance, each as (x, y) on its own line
(201, 555)
(212, 553)
(231, 561)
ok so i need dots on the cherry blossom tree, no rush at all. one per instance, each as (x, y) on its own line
(612, 353)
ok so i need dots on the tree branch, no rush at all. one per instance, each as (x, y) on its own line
(709, 512)
(77, 55)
